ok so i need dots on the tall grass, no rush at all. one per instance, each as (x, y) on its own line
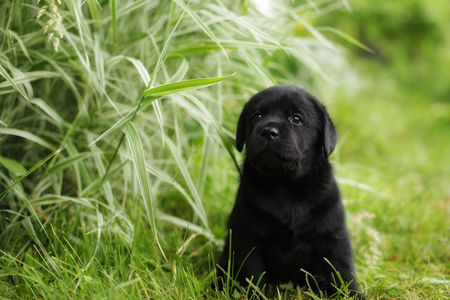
(116, 135)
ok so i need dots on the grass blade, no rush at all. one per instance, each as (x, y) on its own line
(203, 27)
(145, 76)
(225, 139)
(5, 75)
(181, 164)
(112, 4)
(183, 86)
(39, 164)
(163, 176)
(128, 117)
(137, 151)
(347, 38)
(12, 165)
(181, 71)
(162, 56)
(58, 121)
(27, 135)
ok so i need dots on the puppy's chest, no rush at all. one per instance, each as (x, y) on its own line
(285, 210)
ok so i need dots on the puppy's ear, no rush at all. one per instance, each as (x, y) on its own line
(240, 131)
(329, 135)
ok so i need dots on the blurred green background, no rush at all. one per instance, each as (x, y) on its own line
(110, 190)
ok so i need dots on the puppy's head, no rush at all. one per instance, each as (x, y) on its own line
(286, 130)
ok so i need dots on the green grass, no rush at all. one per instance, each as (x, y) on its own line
(400, 154)
(117, 160)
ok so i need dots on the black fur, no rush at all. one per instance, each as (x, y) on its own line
(288, 214)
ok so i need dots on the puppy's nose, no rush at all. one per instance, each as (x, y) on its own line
(270, 133)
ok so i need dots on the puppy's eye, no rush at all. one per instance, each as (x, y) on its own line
(256, 117)
(296, 119)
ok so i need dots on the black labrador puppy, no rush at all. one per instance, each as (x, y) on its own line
(288, 217)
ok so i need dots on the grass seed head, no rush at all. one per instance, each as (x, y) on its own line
(53, 27)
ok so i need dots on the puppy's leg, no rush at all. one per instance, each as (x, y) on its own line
(241, 260)
(336, 256)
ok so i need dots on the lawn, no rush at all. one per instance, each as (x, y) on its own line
(117, 160)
